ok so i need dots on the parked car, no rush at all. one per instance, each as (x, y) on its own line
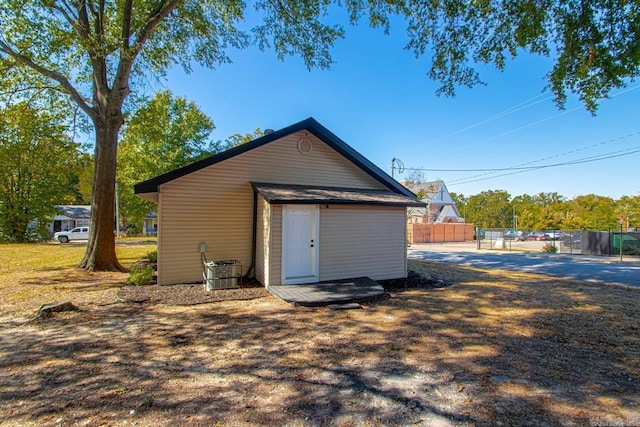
(572, 240)
(509, 234)
(516, 235)
(536, 235)
(552, 235)
(78, 233)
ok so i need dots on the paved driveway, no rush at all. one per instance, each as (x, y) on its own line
(606, 270)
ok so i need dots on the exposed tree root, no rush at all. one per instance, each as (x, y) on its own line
(53, 307)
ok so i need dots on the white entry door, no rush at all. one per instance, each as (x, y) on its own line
(299, 244)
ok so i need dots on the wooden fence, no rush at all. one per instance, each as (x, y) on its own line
(434, 233)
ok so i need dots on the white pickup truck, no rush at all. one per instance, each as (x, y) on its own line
(78, 233)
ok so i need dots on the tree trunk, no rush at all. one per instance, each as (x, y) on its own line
(101, 248)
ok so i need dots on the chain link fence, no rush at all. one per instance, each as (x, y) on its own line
(610, 243)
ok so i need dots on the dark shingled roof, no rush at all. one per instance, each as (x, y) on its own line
(75, 211)
(304, 194)
(310, 125)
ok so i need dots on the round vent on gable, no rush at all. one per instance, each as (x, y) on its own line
(305, 146)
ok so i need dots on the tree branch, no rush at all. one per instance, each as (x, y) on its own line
(284, 10)
(160, 12)
(126, 24)
(97, 60)
(65, 12)
(81, 26)
(37, 89)
(53, 75)
(99, 24)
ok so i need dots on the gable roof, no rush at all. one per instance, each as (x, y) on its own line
(310, 125)
(435, 208)
(430, 188)
(74, 211)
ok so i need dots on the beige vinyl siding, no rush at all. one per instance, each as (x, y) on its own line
(360, 241)
(263, 239)
(159, 240)
(276, 246)
(215, 205)
(191, 218)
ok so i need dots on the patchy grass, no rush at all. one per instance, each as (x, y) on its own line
(34, 274)
(29, 257)
(493, 348)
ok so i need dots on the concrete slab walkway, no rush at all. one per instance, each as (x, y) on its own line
(333, 292)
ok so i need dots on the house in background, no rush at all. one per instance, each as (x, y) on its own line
(297, 205)
(150, 224)
(440, 220)
(69, 217)
(440, 206)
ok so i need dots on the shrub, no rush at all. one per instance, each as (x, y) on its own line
(140, 275)
(631, 249)
(152, 256)
(132, 230)
(549, 248)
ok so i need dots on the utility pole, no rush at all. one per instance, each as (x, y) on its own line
(400, 167)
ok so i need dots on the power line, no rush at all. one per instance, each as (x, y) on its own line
(525, 126)
(520, 168)
(575, 162)
(521, 106)
(523, 166)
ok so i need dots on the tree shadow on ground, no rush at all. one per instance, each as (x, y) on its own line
(77, 280)
(527, 351)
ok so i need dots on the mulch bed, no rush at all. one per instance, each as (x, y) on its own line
(413, 280)
(192, 294)
(189, 294)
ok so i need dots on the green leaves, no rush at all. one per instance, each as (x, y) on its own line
(594, 45)
(593, 212)
(296, 28)
(195, 30)
(96, 51)
(598, 48)
(549, 211)
(489, 209)
(165, 133)
(37, 161)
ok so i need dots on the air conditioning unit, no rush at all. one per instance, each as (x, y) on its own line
(222, 274)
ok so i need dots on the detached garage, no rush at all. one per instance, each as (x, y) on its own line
(295, 206)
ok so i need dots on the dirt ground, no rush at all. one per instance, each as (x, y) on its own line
(490, 348)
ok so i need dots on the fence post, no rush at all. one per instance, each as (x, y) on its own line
(571, 241)
(620, 240)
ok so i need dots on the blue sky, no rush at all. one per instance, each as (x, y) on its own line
(378, 98)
